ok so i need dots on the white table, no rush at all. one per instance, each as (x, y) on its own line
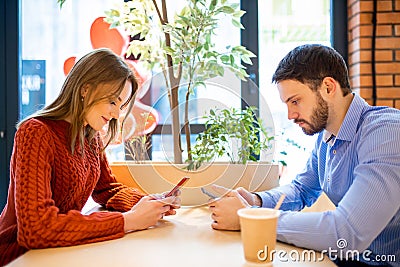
(185, 239)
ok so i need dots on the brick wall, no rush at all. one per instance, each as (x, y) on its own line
(387, 50)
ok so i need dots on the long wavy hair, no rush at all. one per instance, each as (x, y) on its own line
(101, 66)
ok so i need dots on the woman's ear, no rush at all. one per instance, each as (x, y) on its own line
(84, 90)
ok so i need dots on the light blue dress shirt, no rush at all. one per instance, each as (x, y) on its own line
(359, 171)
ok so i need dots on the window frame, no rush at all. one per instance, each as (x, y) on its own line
(9, 87)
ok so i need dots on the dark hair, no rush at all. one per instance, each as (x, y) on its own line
(310, 64)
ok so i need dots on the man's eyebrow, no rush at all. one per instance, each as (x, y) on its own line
(290, 98)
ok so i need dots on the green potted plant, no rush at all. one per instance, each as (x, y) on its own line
(235, 133)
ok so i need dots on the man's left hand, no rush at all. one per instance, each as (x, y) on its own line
(224, 209)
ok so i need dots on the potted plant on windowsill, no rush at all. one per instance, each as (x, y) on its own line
(236, 136)
(234, 133)
(181, 46)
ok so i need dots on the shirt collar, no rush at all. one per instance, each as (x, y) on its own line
(349, 125)
(328, 137)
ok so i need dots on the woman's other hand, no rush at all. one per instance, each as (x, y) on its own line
(175, 205)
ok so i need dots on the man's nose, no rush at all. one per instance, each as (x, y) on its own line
(292, 115)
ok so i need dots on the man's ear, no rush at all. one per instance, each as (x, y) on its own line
(329, 85)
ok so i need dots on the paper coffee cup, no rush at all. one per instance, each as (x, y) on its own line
(258, 231)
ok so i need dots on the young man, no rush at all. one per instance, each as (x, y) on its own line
(355, 161)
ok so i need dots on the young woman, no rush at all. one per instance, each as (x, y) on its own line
(58, 161)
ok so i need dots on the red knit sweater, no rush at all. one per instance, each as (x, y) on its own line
(48, 188)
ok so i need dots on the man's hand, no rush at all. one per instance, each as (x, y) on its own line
(224, 209)
(251, 198)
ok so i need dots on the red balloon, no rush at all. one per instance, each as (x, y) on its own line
(68, 64)
(102, 36)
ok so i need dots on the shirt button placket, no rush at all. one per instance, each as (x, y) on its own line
(329, 177)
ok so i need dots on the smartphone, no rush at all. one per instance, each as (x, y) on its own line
(209, 194)
(176, 188)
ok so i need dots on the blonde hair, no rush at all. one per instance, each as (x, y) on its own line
(97, 67)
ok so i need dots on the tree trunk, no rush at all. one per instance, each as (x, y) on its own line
(174, 81)
(176, 127)
(187, 126)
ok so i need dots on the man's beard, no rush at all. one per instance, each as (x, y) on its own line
(318, 119)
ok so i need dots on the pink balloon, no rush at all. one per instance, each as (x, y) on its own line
(146, 118)
(142, 76)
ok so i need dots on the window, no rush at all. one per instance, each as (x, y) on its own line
(47, 40)
(50, 35)
(50, 39)
(284, 25)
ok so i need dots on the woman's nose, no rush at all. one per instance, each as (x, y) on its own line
(115, 113)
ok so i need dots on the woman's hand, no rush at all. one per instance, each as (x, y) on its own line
(175, 205)
(147, 212)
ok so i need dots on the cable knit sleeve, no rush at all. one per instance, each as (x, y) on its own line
(40, 222)
(113, 195)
